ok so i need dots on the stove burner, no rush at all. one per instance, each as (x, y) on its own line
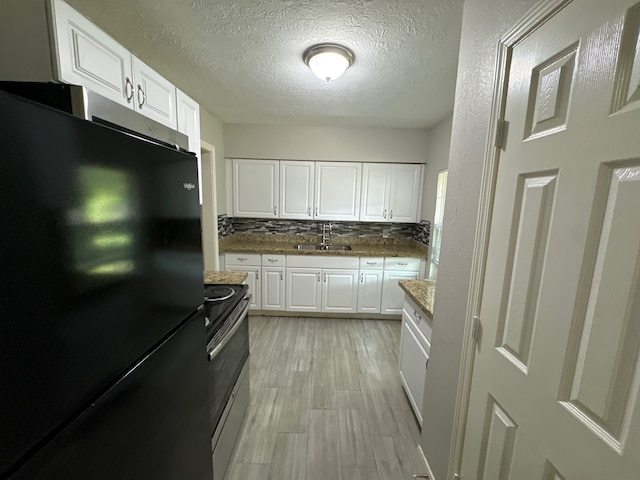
(218, 293)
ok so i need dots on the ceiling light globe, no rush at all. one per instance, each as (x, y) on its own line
(328, 61)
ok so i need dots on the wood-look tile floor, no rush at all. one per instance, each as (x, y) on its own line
(326, 403)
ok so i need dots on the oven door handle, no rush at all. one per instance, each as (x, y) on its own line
(213, 353)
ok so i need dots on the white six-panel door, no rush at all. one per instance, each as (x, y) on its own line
(556, 375)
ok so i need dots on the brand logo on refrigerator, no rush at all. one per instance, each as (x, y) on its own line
(188, 186)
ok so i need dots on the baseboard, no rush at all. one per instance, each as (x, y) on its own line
(426, 462)
(361, 316)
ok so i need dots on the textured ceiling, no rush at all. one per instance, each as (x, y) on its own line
(242, 60)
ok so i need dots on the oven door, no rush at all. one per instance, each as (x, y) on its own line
(227, 353)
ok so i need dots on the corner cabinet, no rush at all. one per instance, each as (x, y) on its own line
(255, 188)
(337, 191)
(391, 192)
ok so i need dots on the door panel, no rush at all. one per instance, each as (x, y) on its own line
(155, 96)
(556, 376)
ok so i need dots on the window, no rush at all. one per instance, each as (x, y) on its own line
(439, 216)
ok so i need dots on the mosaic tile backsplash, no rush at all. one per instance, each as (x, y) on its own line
(415, 231)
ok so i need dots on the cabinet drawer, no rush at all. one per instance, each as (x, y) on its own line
(371, 263)
(402, 263)
(273, 260)
(420, 319)
(242, 259)
(320, 261)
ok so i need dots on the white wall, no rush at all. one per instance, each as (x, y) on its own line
(211, 131)
(297, 142)
(484, 21)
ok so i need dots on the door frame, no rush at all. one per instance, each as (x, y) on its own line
(209, 225)
(539, 14)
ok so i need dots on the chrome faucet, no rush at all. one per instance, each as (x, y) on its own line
(325, 226)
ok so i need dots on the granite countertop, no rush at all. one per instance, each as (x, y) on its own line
(421, 292)
(284, 245)
(211, 276)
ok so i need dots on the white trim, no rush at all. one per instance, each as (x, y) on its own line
(208, 159)
(539, 14)
(424, 457)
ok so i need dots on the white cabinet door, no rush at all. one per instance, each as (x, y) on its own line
(253, 280)
(273, 288)
(392, 294)
(337, 190)
(303, 286)
(88, 56)
(369, 291)
(188, 118)
(255, 188)
(296, 189)
(155, 96)
(405, 193)
(374, 204)
(413, 366)
(339, 291)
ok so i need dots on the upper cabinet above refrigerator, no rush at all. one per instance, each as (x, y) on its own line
(47, 40)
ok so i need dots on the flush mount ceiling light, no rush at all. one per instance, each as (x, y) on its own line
(328, 60)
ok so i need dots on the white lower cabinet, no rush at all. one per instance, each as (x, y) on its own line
(370, 284)
(304, 290)
(339, 291)
(250, 263)
(322, 284)
(273, 293)
(413, 357)
(397, 268)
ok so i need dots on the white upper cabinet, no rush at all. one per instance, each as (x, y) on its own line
(405, 193)
(337, 190)
(391, 192)
(155, 97)
(376, 178)
(296, 189)
(255, 188)
(54, 42)
(88, 56)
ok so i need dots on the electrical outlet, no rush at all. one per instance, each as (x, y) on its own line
(386, 233)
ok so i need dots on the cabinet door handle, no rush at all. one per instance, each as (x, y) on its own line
(362, 278)
(316, 211)
(241, 259)
(325, 278)
(281, 276)
(257, 275)
(318, 276)
(384, 214)
(141, 96)
(372, 263)
(390, 214)
(415, 313)
(402, 264)
(308, 211)
(272, 260)
(128, 89)
(275, 210)
(426, 364)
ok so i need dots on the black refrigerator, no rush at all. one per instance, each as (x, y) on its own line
(102, 344)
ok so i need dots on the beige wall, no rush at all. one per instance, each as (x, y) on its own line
(294, 142)
(483, 23)
(212, 171)
(439, 139)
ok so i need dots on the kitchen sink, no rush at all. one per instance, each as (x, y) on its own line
(331, 248)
